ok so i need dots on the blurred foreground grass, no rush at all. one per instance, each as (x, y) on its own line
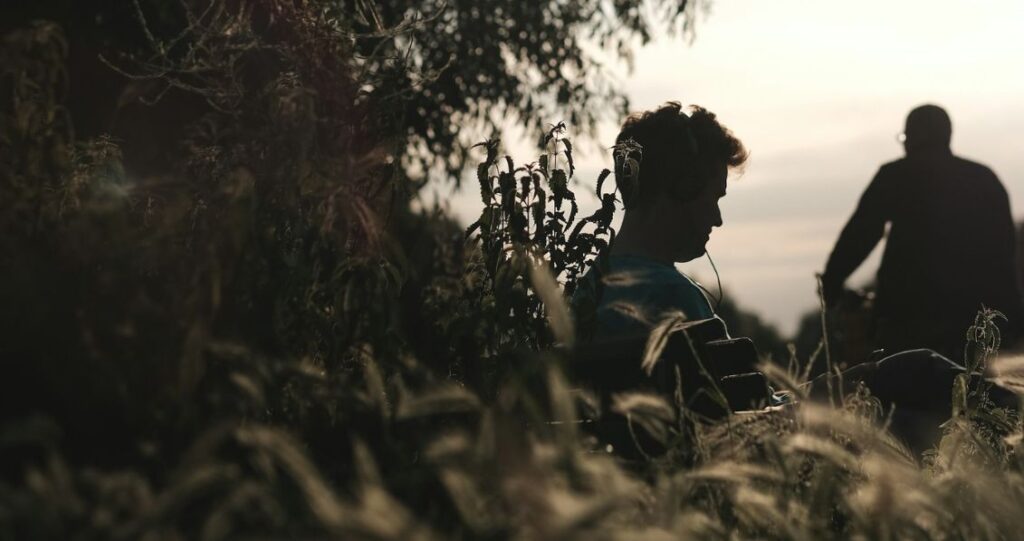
(260, 341)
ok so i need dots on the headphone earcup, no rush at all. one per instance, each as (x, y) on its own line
(627, 176)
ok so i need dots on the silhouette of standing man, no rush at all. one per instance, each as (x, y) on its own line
(950, 246)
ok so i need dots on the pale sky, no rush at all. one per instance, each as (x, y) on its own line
(817, 90)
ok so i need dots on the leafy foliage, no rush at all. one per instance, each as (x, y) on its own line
(528, 61)
(528, 235)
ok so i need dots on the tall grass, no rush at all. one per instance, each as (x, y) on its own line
(248, 348)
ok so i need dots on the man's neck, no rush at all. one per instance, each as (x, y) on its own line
(929, 152)
(634, 240)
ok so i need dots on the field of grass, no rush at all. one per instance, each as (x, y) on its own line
(259, 340)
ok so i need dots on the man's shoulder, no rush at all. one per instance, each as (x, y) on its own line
(894, 164)
(962, 167)
(653, 287)
(629, 270)
(891, 169)
(974, 168)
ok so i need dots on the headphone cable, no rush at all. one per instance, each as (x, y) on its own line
(718, 280)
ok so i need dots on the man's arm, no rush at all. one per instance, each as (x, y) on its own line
(858, 238)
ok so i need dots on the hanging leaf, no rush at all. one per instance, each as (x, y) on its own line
(568, 156)
(600, 180)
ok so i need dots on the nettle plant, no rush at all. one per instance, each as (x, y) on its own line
(530, 246)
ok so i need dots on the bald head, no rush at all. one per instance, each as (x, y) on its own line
(928, 127)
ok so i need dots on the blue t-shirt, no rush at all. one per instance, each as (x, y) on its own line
(639, 292)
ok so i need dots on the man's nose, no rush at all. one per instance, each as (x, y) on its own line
(717, 218)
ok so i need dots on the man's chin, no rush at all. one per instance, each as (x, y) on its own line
(691, 255)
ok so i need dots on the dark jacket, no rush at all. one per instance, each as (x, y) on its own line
(950, 250)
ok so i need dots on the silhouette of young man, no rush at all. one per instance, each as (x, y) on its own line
(671, 170)
(950, 247)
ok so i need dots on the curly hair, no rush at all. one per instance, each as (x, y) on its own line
(677, 153)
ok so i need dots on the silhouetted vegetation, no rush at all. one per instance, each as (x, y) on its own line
(221, 319)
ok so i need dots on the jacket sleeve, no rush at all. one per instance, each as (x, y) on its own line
(860, 235)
